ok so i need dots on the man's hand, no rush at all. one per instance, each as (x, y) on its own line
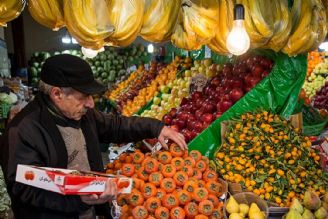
(109, 194)
(175, 136)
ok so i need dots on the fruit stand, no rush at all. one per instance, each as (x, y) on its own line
(255, 124)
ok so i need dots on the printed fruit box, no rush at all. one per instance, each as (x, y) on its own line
(69, 182)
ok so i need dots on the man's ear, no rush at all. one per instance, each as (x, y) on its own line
(56, 94)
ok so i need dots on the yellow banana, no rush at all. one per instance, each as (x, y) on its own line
(302, 34)
(47, 12)
(126, 16)
(322, 21)
(159, 19)
(258, 19)
(256, 38)
(282, 28)
(184, 40)
(88, 20)
(218, 43)
(10, 9)
(201, 18)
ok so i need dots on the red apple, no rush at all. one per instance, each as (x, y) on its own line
(173, 112)
(191, 124)
(217, 114)
(215, 81)
(182, 116)
(236, 94)
(196, 95)
(198, 113)
(180, 123)
(198, 126)
(257, 70)
(224, 105)
(167, 119)
(207, 117)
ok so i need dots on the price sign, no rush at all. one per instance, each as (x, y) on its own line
(207, 52)
(133, 68)
(197, 83)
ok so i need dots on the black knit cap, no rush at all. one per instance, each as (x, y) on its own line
(70, 71)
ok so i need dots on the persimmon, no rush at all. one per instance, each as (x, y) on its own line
(170, 201)
(117, 165)
(177, 213)
(156, 178)
(152, 204)
(177, 162)
(214, 188)
(139, 212)
(185, 154)
(162, 213)
(201, 183)
(125, 209)
(164, 157)
(110, 165)
(122, 157)
(200, 194)
(149, 217)
(149, 190)
(168, 170)
(195, 154)
(190, 186)
(138, 157)
(137, 166)
(189, 161)
(207, 161)
(123, 199)
(217, 213)
(135, 198)
(160, 166)
(151, 165)
(136, 182)
(191, 209)
(168, 185)
(128, 159)
(201, 165)
(184, 197)
(205, 207)
(142, 174)
(188, 170)
(160, 193)
(197, 174)
(180, 178)
(214, 200)
(175, 150)
(201, 216)
(210, 175)
(127, 169)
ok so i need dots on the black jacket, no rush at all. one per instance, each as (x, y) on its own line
(32, 138)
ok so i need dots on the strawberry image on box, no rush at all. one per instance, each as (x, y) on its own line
(69, 182)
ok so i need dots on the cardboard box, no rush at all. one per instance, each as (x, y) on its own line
(67, 182)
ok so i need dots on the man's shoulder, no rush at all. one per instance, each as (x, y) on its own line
(28, 114)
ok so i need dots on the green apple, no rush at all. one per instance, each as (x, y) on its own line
(170, 85)
(156, 100)
(187, 73)
(164, 89)
(165, 97)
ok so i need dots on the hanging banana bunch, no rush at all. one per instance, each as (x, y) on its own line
(201, 17)
(218, 43)
(309, 27)
(282, 24)
(88, 21)
(48, 13)
(126, 16)
(258, 29)
(183, 39)
(10, 9)
(159, 19)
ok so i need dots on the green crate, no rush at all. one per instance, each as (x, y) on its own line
(313, 130)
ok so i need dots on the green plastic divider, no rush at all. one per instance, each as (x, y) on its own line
(277, 93)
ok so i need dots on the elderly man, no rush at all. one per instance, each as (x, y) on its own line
(60, 129)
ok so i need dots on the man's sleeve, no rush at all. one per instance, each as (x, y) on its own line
(116, 129)
(22, 149)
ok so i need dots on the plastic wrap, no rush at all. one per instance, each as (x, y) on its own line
(10, 9)
(127, 17)
(159, 19)
(88, 21)
(48, 13)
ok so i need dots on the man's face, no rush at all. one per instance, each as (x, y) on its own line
(74, 104)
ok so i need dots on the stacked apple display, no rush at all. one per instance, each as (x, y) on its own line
(200, 109)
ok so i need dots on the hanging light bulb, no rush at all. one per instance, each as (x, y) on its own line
(90, 53)
(150, 48)
(238, 40)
